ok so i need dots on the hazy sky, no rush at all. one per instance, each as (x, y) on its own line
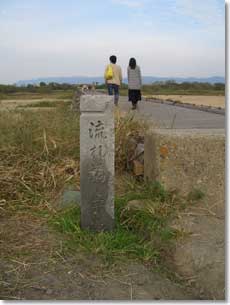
(41, 38)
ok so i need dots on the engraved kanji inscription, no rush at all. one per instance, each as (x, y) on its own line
(97, 174)
(97, 152)
(97, 130)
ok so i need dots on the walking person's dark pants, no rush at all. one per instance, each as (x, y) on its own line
(134, 97)
(113, 89)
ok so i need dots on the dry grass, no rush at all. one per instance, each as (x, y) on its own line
(127, 128)
(214, 101)
(37, 152)
(12, 104)
(39, 156)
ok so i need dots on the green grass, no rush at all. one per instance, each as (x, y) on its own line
(45, 103)
(121, 242)
(140, 233)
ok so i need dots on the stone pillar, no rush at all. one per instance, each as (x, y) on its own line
(97, 162)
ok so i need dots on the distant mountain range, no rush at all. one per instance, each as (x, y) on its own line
(100, 80)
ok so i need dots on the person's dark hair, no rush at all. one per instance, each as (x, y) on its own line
(132, 63)
(113, 59)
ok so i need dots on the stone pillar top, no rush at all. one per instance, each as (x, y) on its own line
(95, 103)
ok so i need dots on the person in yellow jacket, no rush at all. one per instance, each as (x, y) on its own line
(113, 78)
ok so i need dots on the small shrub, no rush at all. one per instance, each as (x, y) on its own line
(195, 194)
(126, 128)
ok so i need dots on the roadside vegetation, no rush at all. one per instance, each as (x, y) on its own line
(65, 91)
(173, 88)
(40, 158)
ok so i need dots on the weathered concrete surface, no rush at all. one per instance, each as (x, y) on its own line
(77, 96)
(97, 162)
(200, 257)
(186, 160)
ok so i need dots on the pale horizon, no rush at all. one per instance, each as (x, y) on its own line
(169, 38)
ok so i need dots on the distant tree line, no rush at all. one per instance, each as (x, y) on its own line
(172, 86)
(33, 88)
(156, 87)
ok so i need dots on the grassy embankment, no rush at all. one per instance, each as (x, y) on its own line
(40, 157)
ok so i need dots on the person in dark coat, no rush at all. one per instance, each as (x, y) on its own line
(134, 82)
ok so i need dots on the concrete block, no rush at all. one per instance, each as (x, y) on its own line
(187, 160)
